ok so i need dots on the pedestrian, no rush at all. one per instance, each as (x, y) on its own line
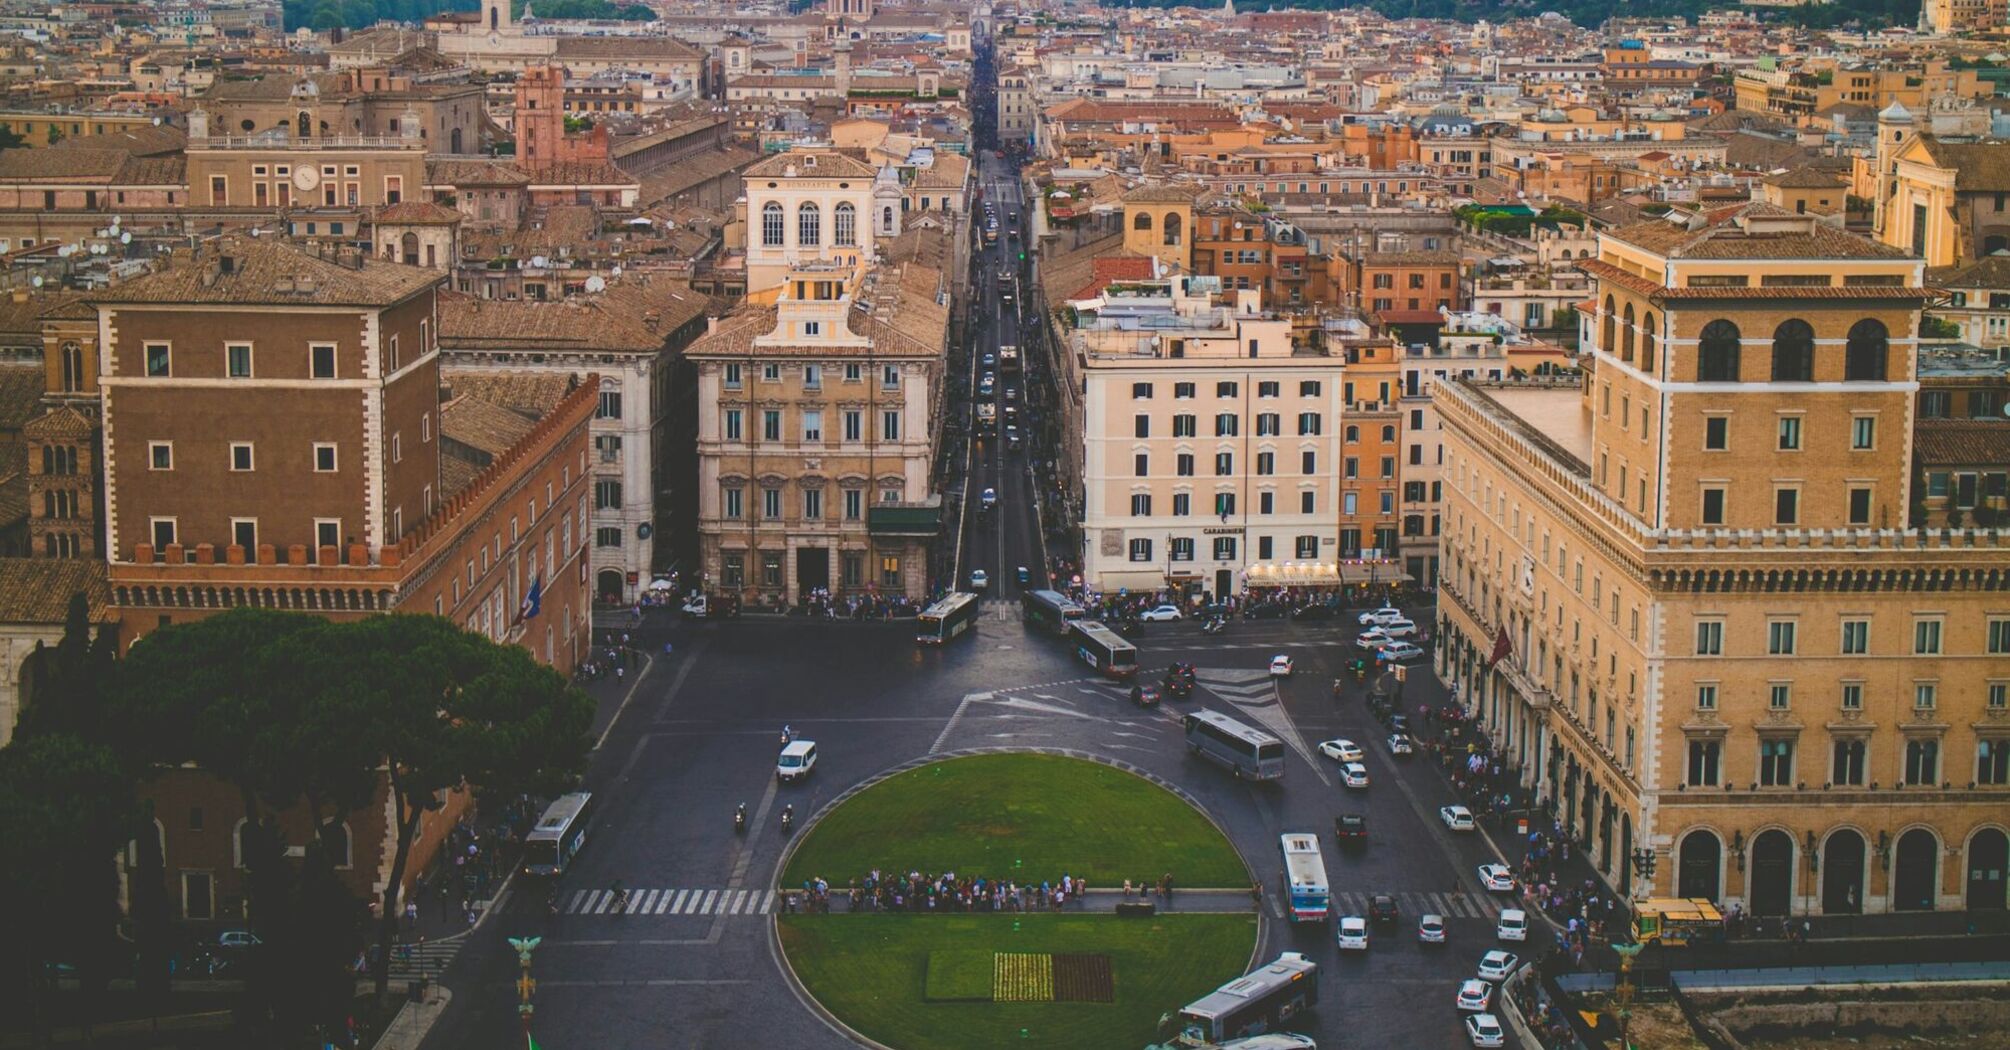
(411, 914)
(1127, 890)
(1167, 891)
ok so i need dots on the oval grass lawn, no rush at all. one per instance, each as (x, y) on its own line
(1019, 817)
(872, 971)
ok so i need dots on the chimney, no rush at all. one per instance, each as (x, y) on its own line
(651, 319)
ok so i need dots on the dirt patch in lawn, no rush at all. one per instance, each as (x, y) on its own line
(1083, 977)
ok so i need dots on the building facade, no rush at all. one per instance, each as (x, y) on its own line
(1210, 446)
(1682, 594)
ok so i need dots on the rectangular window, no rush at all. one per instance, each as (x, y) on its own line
(1180, 548)
(1224, 548)
(889, 377)
(813, 504)
(1780, 637)
(1926, 638)
(1713, 506)
(1308, 462)
(1925, 696)
(1183, 464)
(240, 455)
(1267, 424)
(1308, 502)
(732, 377)
(610, 405)
(734, 503)
(244, 533)
(733, 425)
(1225, 424)
(771, 503)
(1308, 388)
(1999, 636)
(1141, 426)
(1266, 502)
(1787, 506)
(1141, 465)
(157, 359)
(324, 458)
(163, 531)
(1710, 638)
(1992, 762)
(1224, 464)
(321, 360)
(607, 537)
(606, 494)
(889, 426)
(1776, 763)
(813, 425)
(160, 455)
(1847, 764)
(1182, 504)
(1141, 550)
(1780, 696)
(1226, 388)
(237, 360)
(1141, 505)
(1790, 433)
(1922, 763)
(1224, 503)
(1703, 759)
(854, 425)
(1859, 506)
(1308, 423)
(771, 424)
(771, 373)
(1183, 391)
(1267, 388)
(1141, 391)
(1855, 637)
(1852, 696)
(1185, 426)
(1266, 463)
(813, 377)
(1706, 697)
(1863, 433)
(854, 504)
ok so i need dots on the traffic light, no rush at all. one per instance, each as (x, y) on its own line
(1022, 256)
(1402, 673)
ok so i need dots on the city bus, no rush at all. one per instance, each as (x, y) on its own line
(1008, 357)
(953, 615)
(1250, 754)
(1305, 884)
(1050, 611)
(1255, 1003)
(559, 835)
(1105, 650)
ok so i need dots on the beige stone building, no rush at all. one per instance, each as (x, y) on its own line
(1683, 596)
(1211, 447)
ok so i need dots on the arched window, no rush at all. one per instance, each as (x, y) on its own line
(1647, 330)
(306, 124)
(809, 225)
(1143, 221)
(1717, 353)
(1793, 352)
(1606, 334)
(886, 220)
(844, 222)
(73, 368)
(1626, 337)
(771, 225)
(1172, 227)
(1869, 345)
(1388, 433)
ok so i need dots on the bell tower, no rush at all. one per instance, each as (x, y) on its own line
(495, 16)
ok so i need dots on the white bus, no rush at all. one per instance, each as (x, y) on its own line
(1250, 754)
(1255, 1003)
(559, 835)
(1305, 886)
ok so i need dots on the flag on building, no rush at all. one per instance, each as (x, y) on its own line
(532, 601)
(1501, 648)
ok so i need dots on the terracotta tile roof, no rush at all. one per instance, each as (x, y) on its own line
(1992, 272)
(488, 429)
(616, 320)
(581, 173)
(1805, 178)
(475, 173)
(13, 498)
(658, 48)
(20, 395)
(1164, 193)
(155, 141)
(152, 171)
(1721, 237)
(1979, 167)
(830, 164)
(900, 316)
(1962, 442)
(42, 165)
(531, 394)
(261, 270)
(38, 590)
(420, 213)
(1110, 268)
(695, 170)
(1411, 317)
(21, 322)
(1063, 272)
(1605, 271)
(61, 422)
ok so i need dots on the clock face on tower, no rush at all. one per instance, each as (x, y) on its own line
(306, 177)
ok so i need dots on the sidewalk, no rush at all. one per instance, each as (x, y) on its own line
(1204, 901)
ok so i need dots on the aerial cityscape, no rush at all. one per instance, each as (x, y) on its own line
(680, 523)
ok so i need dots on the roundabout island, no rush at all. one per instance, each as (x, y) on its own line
(956, 942)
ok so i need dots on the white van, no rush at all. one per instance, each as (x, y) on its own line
(1512, 925)
(796, 760)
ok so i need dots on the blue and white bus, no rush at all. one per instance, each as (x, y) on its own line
(560, 834)
(1105, 650)
(1049, 611)
(953, 615)
(1305, 887)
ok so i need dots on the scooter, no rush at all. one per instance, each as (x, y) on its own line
(740, 819)
(1336, 689)
(788, 817)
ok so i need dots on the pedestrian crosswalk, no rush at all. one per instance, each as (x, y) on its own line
(672, 902)
(427, 959)
(1410, 905)
(1003, 610)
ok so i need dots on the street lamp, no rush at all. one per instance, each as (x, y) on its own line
(526, 985)
(1644, 860)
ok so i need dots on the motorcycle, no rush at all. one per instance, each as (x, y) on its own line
(788, 817)
(740, 819)
(1336, 689)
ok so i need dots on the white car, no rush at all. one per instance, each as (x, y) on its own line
(989, 499)
(1372, 639)
(1352, 933)
(979, 579)
(1484, 1030)
(1280, 666)
(1340, 750)
(1475, 995)
(697, 606)
(1400, 744)
(1398, 629)
(1512, 925)
(1272, 1041)
(1380, 616)
(1497, 878)
(1496, 965)
(797, 760)
(1431, 929)
(1354, 775)
(1457, 818)
(1160, 612)
(1402, 652)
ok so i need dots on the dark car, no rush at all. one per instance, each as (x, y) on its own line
(1146, 695)
(1181, 669)
(1313, 612)
(1178, 688)
(1399, 724)
(1382, 908)
(1268, 611)
(1350, 829)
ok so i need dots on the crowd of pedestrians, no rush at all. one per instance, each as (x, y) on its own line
(819, 601)
(914, 891)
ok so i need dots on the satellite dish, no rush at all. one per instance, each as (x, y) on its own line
(539, 261)
(37, 281)
(596, 284)
(125, 238)
(616, 272)
(66, 251)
